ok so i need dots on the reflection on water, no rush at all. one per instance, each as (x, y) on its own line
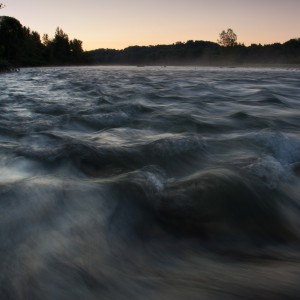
(149, 183)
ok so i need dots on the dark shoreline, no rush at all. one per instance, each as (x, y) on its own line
(6, 68)
(243, 66)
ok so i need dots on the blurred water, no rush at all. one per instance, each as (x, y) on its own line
(150, 183)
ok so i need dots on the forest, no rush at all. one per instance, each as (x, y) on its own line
(199, 53)
(20, 46)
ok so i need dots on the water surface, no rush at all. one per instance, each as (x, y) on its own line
(150, 183)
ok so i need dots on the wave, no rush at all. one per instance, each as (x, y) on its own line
(130, 183)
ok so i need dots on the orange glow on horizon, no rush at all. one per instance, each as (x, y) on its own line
(116, 24)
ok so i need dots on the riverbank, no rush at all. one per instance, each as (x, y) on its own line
(5, 68)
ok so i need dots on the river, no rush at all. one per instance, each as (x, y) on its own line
(150, 183)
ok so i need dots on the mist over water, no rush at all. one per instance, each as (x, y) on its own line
(150, 183)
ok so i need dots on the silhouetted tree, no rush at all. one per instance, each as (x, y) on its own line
(227, 38)
(292, 50)
(46, 39)
(61, 46)
(11, 39)
(33, 48)
(19, 46)
(76, 49)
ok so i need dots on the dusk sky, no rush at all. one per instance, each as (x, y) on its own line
(122, 23)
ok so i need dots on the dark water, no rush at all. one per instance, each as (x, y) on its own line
(150, 183)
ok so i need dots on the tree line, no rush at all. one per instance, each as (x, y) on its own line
(226, 52)
(20, 46)
(199, 53)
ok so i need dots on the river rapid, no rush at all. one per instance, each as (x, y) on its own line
(150, 183)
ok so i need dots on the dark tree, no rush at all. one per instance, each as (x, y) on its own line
(46, 39)
(61, 46)
(11, 39)
(32, 48)
(20, 46)
(227, 38)
(76, 49)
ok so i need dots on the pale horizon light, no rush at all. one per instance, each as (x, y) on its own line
(119, 24)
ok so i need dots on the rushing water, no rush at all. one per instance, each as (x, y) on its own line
(150, 183)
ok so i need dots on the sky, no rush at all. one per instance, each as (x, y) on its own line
(121, 23)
